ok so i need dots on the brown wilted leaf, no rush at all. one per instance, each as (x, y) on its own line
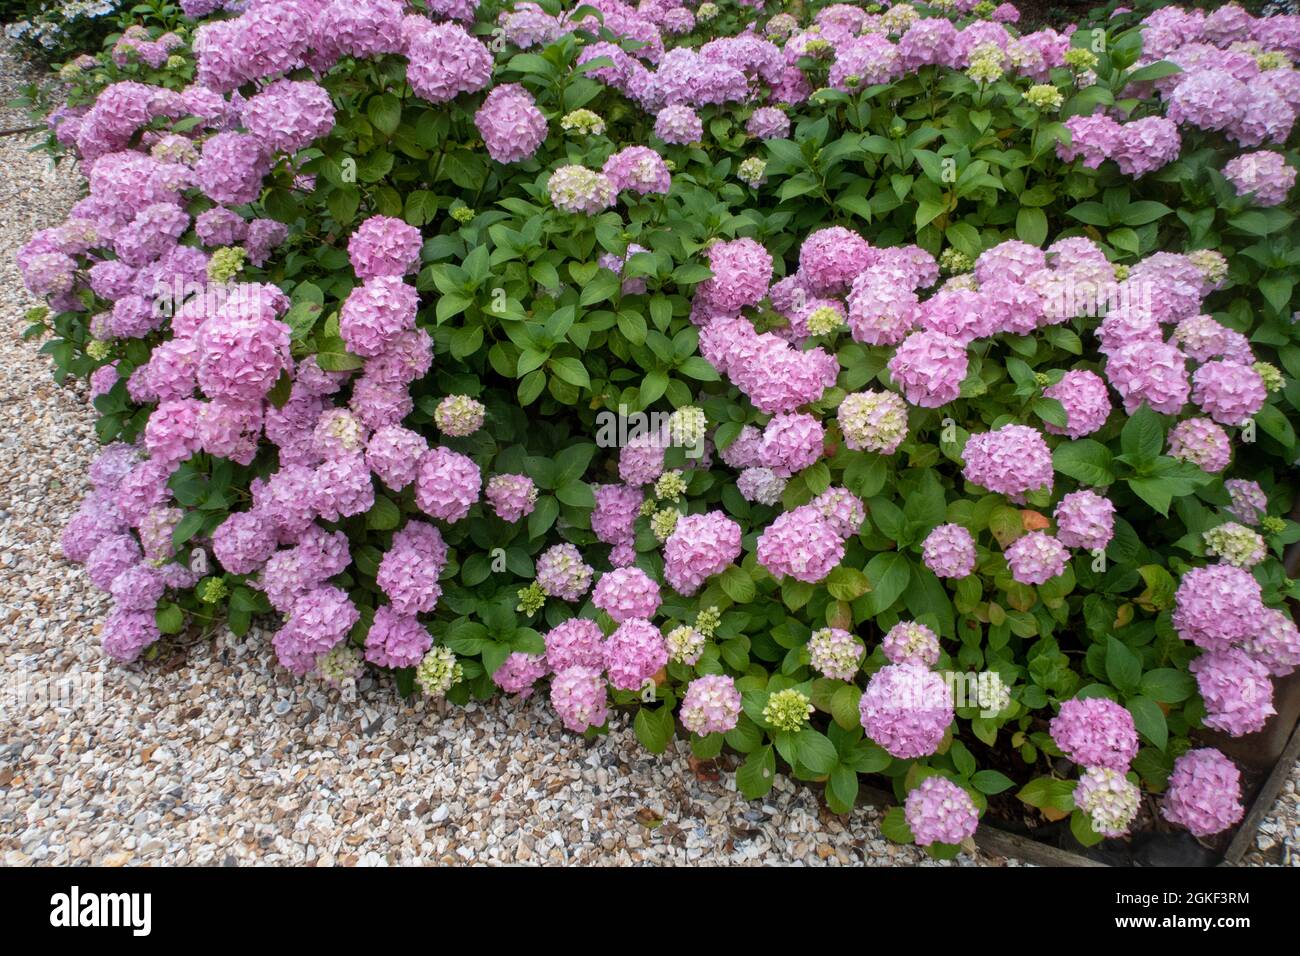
(1033, 520)
(706, 770)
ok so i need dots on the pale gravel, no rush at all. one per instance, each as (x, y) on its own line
(212, 754)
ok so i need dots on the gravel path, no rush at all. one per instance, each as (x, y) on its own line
(214, 755)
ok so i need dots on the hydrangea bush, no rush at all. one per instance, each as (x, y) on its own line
(883, 389)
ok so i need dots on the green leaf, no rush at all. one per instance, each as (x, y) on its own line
(186, 528)
(654, 728)
(570, 370)
(385, 112)
(847, 584)
(815, 751)
(1167, 685)
(991, 781)
(1123, 667)
(737, 584)
(1031, 226)
(543, 516)
(1084, 460)
(1143, 437)
(383, 515)
(843, 785)
(1154, 71)
(1142, 212)
(844, 706)
(1045, 792)
(1149, 720)
(889, 574)
(1050, 410)
(1083, 830)
(894, 826)
(756, 775)
(576, 493)
(169, 618)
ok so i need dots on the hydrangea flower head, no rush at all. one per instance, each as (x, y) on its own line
(908, 641)
(1109, 798)
(906, 709)
(711, 705)
(1204, 793)
(939, 811)
(949, 551)
(835, 653)
(1095, 732)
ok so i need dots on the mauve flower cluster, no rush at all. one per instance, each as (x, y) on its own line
(711, 705)
(1095, 732)
(949, 551)
(1138, 147)
(1012, 460)
(511, 124)
(626, 593)
(1265, 175)
(700, 546)
(939, 811)
(908, 641)
(1204, 793)
(800, 543)
(906, 709)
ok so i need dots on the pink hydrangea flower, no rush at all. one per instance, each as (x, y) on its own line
(626, 593)
(742, 271)
(711, 705)
(700, 546)
(929, 367)
(519, 672)
(1151, 372)
(1036, 558)
(1228, 392)
(512, 497)
(1084, 519)
(578, 642)
(908, 641)
(1275, 643)
(939, 811)
(1201, 442)
(638, 169)
(1086, 402)
(376, 312)
(1217, 606)
(1204, 793)
(949, 551)
(802, 544)
(791, 442)
(906, 709)
(408, 573)
(511, 124)
(562, 573)
(634, 653)
(579, 696)
(1095, 732)
(447, 484)
(384, 246)
(1265, 174)
(396, 640)
(1011, 460)
(832, 257)
(393, 454)
(1237, 690)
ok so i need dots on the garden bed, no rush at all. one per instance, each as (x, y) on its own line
(719, 362)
